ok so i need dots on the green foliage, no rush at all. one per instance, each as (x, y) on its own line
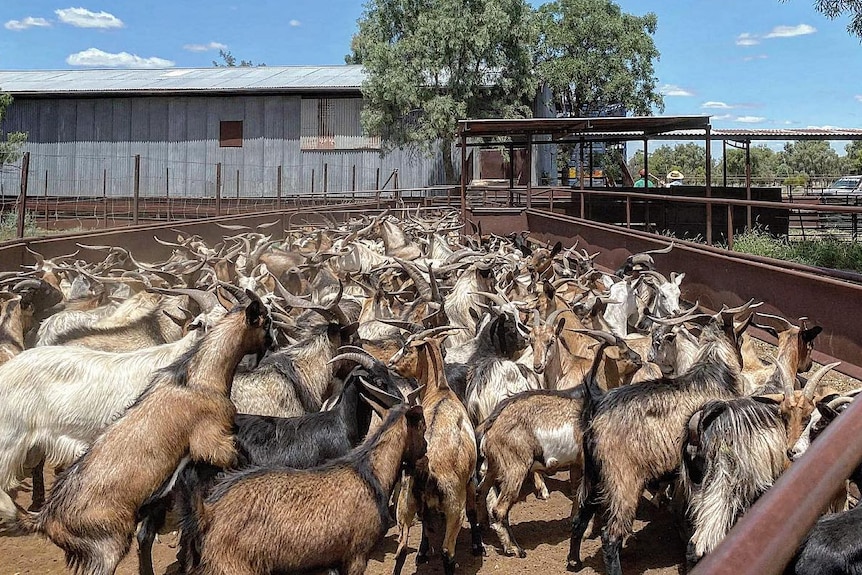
(688, 158)
(812, 158)
(10, 148)
(592, 56)
(228, 60)
(826, 252)
(429, 63)
(9, 225)
(764, 162)
(837, 8)
(852, 162)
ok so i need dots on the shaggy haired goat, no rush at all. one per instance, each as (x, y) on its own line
(330, 516)
(733, 453)
(11, 327)
(633, 434)
(185, 414)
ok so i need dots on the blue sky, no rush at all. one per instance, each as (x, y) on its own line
(749, 63)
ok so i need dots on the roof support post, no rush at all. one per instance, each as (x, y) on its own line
(724, 163)
(464, 182)
(529, 167)
(748, 183)
(708, 185)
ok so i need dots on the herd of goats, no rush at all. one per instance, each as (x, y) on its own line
(284, 401)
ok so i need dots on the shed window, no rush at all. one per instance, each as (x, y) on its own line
(230, 134)
(333, 124)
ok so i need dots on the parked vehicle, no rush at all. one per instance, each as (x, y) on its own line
(845, 185)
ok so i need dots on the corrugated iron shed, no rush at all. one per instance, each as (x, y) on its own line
(233, 80)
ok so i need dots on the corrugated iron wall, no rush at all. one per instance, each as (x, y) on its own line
(79, 145)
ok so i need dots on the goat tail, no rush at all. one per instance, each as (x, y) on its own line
(193, 518)
(481, 464)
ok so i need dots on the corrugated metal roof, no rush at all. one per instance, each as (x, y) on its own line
(181, 80)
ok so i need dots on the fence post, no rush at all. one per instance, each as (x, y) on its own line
(218, 189)
(353, 182)
(46, 199)
(396, 179)
(325, 180)
(312, 183)
(237, 188)
(377, 181)
(730, 227)
(22, 199)
(168, 192)
(137, 190)
(105, 197)
(278, 188)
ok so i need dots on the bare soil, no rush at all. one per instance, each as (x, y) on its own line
(541, 527)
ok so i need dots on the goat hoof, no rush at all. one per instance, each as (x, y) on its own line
(574, 565)
(480, 550)
(421, 558)
(35, 506)
(515, 552)
(543, 495)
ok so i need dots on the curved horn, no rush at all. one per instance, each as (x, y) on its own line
(661, 251)
(656, 274)
(784, 321)
(742, 308)
(237, 292)
(363, 358)
(206, 300)
(494, 297)
(599, 335)
(419, 281)
(814, 380)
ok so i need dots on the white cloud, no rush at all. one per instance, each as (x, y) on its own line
(756, 57)
(791, 31)
(750, 119)
(93, 57)
(720, 117)
(83, 18)
(716, 105)
(295, 23)
(858, 97)
(826, 127)
(205, 47)
(28, 22)
(674, 90)
(747, 39)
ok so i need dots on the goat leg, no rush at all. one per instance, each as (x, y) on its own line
(153, 518)
(579, 526)
(38, 494)
(424, 548)
(405, 511)
(540, 488)
(472, 518)
(611, 546)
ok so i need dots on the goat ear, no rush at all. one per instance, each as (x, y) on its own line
(740, 327)
(350, 329)
(561, 323)
(415, 417)
(828, 413)
(710, 413)
(769, 398)
(677, 278)
(808, 335)
(224, 300)
(557, 247)
(378, 409)
(254, 313)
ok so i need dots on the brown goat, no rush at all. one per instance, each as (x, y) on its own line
(795, 344)
(185, 414)
(283, 520)
(451, 451)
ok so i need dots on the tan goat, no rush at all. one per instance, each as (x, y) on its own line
(451, 452)
(11, 326)
(185, 414)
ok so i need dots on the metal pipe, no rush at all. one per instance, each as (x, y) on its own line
(278, 188)
(463, 183)
(708, 186)
(137, 190)
(748, 183)
(529, 168)
(22, 199)
(218, 189)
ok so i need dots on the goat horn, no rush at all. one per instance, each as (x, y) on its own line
(27, 284)
(387, 399)
(656, 274)
(660, 251)
(237, 292)
(785, 321)
(839, 401)
(233, 227)
(433, 332)
(598, 335)
(537, 319)
(744, 307)
(410, 326)
(290, 299)
(494, 297)
(206, 300)
(553, 317)
(814, 380)
(422, 286)
(364, 360)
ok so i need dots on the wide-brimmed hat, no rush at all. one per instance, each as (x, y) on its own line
(675, 175)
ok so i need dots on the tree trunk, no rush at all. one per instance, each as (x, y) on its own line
(448, 165)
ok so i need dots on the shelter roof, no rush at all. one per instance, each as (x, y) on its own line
(182, 80)
(634, 127)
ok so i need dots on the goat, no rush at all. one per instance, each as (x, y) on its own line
(54, 401)
(492, 373)
(733, 452)
(184, 414)
(11, 326)
(298, 442)
(534, 430)
(795, 344)
(451, 452)
(632, 434)
(300, 520)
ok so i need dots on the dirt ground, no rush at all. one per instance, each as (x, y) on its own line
(541, 527)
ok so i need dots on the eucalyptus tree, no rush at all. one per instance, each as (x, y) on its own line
(429, 63)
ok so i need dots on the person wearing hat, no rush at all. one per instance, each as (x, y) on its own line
(643, 181)
(674, 178)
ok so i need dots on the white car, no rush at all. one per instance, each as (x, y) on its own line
(845, 185)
